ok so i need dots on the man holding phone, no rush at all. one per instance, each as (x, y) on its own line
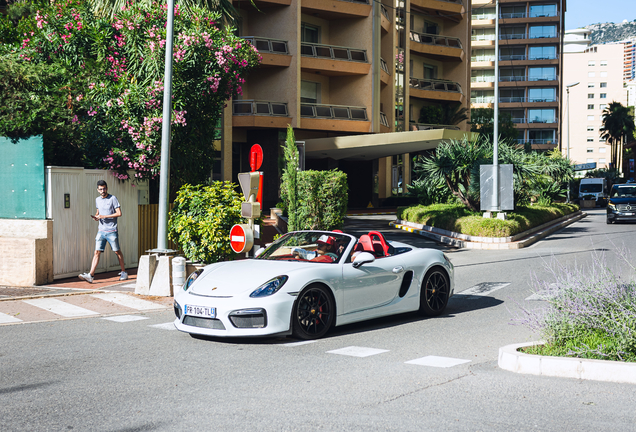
(108, 210)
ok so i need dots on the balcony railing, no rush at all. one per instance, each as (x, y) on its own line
(544, 78)
(510, 78)
(512, 57)
(384, 66)
(426, 126)
(256, 107)
(510, 36)
(435, 85)
(553, 57)
(266, 45)
(431, 39)
(546, 15)
(490, 78)
(384, 12)
(483, 58)
(518, 99)
(542, 120)
(544, 36)
(518, 120)
(488, 37)
(482, 99)
(333, 52)
(336, 112)
(383, 120)
(536, 141)
(512, 15)
(491, 16)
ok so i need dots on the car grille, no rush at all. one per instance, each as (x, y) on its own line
(623, 207)
(249, 318)
(210, 323)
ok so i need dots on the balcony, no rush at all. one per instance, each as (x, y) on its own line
(384, 121)
(480, 79)
(334, 118)
(436, 45)
(333, 60)
(336, 9)
(509, 36)
(512, 15)
(512, 57)
(482, 100)
(257, 113)
(483, 58)
(453, 8)
(477, 38)
(385, 74)
(481, 17)
(522, 99)
(436, 89)
(275, 52)
(385, 19)
(537, 141)
(425, 126)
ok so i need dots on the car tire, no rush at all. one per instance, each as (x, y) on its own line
(607, 221)
(434, 292)
(313, 313)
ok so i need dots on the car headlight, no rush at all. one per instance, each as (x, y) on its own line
(190, 280)
(612, 206)
(270, 287)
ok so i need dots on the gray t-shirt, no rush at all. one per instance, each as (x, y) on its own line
(107, 206)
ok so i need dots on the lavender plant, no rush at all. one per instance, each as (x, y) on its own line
(590, 312)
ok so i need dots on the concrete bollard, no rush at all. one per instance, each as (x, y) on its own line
(178, 273)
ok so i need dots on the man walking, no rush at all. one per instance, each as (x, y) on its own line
(108, 210)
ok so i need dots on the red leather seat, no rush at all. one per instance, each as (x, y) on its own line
(367, 244)
(380, 242)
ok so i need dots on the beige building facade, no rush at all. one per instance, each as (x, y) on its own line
(599, 72)
(355, 69)
(530, 64)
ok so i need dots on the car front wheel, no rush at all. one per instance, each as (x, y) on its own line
(608, 221)
(434, 293)
(313, 313)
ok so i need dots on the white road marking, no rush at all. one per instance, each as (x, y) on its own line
(61, 308)
(5, 319)
(293, 344)
(125, 318)
(355, 351)
(165, 326)
(128, 301)
(484, 288)
(435, 361)
(129, 285)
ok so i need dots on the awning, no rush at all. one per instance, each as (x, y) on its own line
(374, 146)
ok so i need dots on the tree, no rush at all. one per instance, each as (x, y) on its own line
(482, 121)
(618, 125)
(229, 14)
(445, 114)
(289, 184)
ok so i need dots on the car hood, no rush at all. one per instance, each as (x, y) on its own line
(624, 200)
(232, 278)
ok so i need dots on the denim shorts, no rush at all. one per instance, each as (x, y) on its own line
(111, 237)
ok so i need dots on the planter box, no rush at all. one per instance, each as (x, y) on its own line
(588, 203)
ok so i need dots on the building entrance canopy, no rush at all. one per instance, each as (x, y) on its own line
(374, 146)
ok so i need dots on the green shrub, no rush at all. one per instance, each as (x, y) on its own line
(201, 219)
(322, 199)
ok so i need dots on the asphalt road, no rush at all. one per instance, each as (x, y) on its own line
(98, 374)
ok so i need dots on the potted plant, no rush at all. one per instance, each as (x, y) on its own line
(588, 201)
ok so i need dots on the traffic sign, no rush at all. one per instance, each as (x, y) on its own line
(256, 157)
(249, 183)
(241, 238)
(585, 166)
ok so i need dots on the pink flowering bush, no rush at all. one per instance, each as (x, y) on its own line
(115, 94)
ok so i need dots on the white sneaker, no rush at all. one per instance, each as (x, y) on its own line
(123, 276)
(87, 277)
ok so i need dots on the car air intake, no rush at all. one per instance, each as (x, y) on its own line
(209, 323)
(249, 318)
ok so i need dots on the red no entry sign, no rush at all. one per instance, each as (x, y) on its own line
(256, 157)
(241, 238)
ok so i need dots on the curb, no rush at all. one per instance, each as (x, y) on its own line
(517, 241)
(512, 360)
(372, 214)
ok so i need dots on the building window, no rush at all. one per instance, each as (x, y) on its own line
(591, 74)
(546, 10)
(603, 96)
(603, 62)
(603, 74)
(545, 115)
(601, 139)
(602, 149)
(541, 73)
(309, 92)
(542, 53)
(590, 150)
(590, 139)
(590, 95)
(603, 85)
(601, 160)
(545, 31)
(309, 33)
(590, 106)
(430, 71)
(602, 106)
(590, 118)
(591, 63)
(589, 160)
(590, 128)
(541, 94)
(590, 85)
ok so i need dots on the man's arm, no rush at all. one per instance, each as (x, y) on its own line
(114, 215)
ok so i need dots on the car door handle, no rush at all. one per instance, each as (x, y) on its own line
(398, 269)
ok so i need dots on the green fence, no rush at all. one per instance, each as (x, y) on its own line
(22, 179)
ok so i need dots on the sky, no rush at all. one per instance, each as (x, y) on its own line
(580, 13)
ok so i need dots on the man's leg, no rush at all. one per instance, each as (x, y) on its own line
(120, 257)
(95, 262)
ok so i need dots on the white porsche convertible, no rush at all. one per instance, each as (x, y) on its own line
(308, 281)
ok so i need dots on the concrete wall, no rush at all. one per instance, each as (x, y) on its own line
(26, 252)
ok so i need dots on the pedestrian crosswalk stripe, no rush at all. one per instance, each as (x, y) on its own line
(59, 307)
(293, 344)
(436, 361)
(165, 326)
(484, 288)
(125, 318)
(6, 319)
(355, 351)
(128, 301)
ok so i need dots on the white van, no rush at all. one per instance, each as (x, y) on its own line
(597, 187)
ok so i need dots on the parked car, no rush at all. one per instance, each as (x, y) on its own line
(309, 281)
(622, 203)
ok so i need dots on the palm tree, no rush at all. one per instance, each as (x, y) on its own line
(228, 12)
(618, 123)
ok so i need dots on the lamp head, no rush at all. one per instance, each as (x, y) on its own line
(573, 84)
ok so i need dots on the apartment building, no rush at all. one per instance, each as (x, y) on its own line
(351, 77)
(530, 65)
(599, 72)
(629, 64)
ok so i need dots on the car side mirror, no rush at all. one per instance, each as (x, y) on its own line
(258, 252)
(363, 258)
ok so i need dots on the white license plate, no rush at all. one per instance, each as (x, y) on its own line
(628, 214)
(201, 311)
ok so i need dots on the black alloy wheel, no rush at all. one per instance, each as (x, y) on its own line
(434, 293)
(313, 313)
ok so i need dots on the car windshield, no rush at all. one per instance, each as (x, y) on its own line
(591, 187)
(307, 246)
(623, 192)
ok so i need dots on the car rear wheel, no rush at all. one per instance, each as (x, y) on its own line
(434, 293)
(313, 313)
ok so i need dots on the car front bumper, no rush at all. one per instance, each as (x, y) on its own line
(235, 316)
(621, 216)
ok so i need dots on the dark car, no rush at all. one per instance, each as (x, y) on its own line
(622, 203)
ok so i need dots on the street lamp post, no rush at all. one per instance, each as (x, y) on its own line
(567, 90)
